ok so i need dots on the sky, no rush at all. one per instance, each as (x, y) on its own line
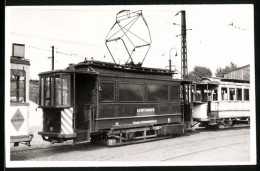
(79, 32)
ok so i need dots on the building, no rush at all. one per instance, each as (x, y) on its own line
(241, 73)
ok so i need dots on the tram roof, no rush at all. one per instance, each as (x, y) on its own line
(118, 67)
(217, 80)
(67, 71)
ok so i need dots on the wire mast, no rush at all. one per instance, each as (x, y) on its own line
(184, 62)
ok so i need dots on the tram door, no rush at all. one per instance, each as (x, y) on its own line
(186, 102)
(85, 100)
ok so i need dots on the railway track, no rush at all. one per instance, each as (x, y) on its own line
(70, 144)
(204, 150)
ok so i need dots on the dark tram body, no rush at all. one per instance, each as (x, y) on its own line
(116, 103)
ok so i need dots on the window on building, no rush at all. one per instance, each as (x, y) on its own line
(239, 94)
(215, 95)
(232, 94)
(129, 92)
(175, 93)
(17, 86)
(107, 92)
(224, 95)
(246, 94)
(157, 92)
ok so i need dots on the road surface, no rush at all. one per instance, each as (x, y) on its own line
(222, 145)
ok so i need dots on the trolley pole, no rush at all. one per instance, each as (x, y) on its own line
(52, 57)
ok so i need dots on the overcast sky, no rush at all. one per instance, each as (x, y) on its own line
(81, 31)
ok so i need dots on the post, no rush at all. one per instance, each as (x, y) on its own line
(184, 69)
(52, 57)
(170, 64)
(170, 58)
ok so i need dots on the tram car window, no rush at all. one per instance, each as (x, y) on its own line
(157, 93)
(239, 94)
(107, 92)
(130, 92)
(232, 94)
(175, 93)
(246, 94)
(215, 95)
(226, 108)
(224, 95)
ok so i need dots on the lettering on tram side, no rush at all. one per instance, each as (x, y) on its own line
(142, 122)
(145, 111)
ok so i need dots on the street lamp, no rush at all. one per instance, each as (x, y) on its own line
(170, 61)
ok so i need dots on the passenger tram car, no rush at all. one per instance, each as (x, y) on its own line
(19, 97)
(117, 104)
(221, 101)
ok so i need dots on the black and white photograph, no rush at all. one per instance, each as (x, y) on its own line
(129, 85)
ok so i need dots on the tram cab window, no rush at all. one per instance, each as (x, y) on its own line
(224, 95)
(17, 86)
(65, 89)
(246, 94)
(55, 90)
(215, 95)
(47, 91)
(232, 94)
(239, 94)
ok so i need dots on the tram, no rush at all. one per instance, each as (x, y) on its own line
(117, 104)
(221, 101)
(19, 97)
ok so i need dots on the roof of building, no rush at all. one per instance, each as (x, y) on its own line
(237, 69)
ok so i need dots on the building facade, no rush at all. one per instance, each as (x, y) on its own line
(241, 73)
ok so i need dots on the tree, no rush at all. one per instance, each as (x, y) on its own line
(221, 71)
(199, 72)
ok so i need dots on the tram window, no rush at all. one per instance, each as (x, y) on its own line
(108, 92)
(57, 90)
(215, 95)
(42, 91)
(175, 93)
(52, 90)
(232, 94)
(198, 95)
(239, 94)
(157, 92)
(246, 94)
(129, 92)
(224, 94)
(47, 91)
(17, 86)
(65, 89)
(181, 92)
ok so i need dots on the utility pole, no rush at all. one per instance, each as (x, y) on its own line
(52, 57)
(184, 63)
